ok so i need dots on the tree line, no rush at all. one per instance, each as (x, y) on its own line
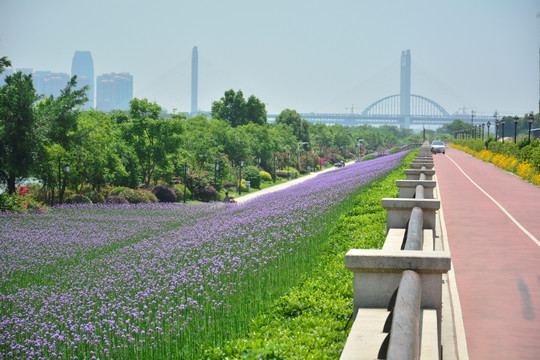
(41, 136)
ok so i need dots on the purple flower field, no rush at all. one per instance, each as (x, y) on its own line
(159, 281)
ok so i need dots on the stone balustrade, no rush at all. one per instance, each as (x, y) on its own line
(413, 249)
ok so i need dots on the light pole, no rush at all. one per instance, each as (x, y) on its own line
(530, 120)
(288, 164)
(186, 173)
(275, 158)
(502, 128)
(496, 129)
(516, 119)
(216, 168)
(483, 126)
(240, 184)
(488, 125)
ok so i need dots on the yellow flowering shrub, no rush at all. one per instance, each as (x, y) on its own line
(525, 170)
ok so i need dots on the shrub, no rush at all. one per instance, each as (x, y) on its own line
(11, 203)
(164, 193)
(137, 196)
(151, 198)
(115, 199)
(282, 174)
(117, 190)
(229, 185)
(253, 175)
(94, 196)
(77, 199)
(208, 193)
(265, 176)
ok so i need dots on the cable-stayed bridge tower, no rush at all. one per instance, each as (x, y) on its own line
(194, 80)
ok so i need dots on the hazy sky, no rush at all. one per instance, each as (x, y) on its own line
(308, 55)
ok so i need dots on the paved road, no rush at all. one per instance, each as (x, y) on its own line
(493, 225)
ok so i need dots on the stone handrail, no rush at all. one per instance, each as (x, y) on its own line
(413, 250)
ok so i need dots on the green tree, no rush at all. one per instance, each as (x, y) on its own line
(154, 139)
(4, 63)
(292, 118)
(95, 159)
(256, 111)
(232, 108)
(18, 140)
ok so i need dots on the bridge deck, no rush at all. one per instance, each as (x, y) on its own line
(496, 259)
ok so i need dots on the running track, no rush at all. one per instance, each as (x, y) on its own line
(493, 231)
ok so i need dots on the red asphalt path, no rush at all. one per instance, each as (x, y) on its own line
(496, 264)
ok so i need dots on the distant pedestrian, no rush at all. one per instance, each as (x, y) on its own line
(228, 199)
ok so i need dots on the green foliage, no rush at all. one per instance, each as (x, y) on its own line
(18, 129)
(253, 175)
(312, 320)
(265, 176)
(179, 191)
(136, 196)
(77, 199)
(233, 109)
(300, 127)
(94, 196)
(11, 203)
(116, 191)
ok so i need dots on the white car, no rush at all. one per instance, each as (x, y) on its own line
(438, 147)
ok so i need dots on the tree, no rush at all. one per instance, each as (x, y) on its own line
(153, 139)
(256, 111)
(4, 63)
(18, 141)
(94, 151)
(292, 118)
(57, 119)
(232, 108)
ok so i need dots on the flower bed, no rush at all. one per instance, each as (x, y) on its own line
(160, 280)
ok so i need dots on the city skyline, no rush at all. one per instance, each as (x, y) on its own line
(309, 56)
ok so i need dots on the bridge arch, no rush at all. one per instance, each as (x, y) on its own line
(420, 106)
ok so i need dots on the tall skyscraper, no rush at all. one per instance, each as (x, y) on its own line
(194, 80)
(114, 91)
(83, 66)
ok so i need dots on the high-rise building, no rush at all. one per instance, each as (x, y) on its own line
(194, 80)
(83, 66)
(48, 83)
(114, 91)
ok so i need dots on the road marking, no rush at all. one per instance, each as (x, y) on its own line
(499, 205)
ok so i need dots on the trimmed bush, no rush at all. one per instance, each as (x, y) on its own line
(164, 193)
(115, 199)
(265, 176)
(229, 185)
(77, 199)
(94, 196)
(137, 196)
(253, 175)
(117, 190)
(208, 194)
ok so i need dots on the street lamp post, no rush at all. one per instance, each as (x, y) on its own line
(275, 158)
(288, 165)
(240, 184)
(496, 129)
(483, 126)
(488, 125)
(516, 119)
(502, 128)
(216, 168)
(530, 120)
(186, 173)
